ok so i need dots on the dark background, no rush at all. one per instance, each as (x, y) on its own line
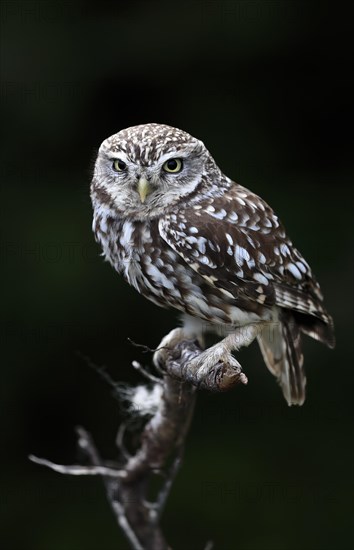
(264, 85)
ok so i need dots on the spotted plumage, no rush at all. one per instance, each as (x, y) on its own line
(186, 236)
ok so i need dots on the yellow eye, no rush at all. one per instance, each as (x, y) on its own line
(173, 166)
(119, 165)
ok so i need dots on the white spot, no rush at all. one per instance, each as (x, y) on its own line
(241, 201)
(192, 240)
(126, 235)
(259, 289)
(206, 261)
(220, 215)
(158, 277)
(251, 263)
(210, 278)
(229, 251)
(233, 216)
(301, 266)
(229, 238)
(241, 255)
(261, 258)
(294, 271)
(147, 235)
(201, 244)
(251, 242)
(284, 249)
(260, 278)
(193, 230)
(210, 208)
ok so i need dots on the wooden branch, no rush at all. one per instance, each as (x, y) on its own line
(162, 439)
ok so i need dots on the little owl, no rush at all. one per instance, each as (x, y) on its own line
(186, 236)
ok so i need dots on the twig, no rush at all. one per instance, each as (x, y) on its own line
(145, 348)
(75, 470)
(146, 373)
(86, 444)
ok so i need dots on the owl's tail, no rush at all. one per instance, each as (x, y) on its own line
(280, 345)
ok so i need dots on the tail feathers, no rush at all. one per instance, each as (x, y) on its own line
(280, 345)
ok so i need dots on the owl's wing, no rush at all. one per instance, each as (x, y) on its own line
(236, 242)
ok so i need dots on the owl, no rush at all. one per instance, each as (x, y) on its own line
(187, 237)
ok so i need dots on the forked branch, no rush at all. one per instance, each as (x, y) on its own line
(162, 441)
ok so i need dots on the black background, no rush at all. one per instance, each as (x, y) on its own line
(265, 85)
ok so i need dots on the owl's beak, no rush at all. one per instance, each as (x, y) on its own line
(144, 189)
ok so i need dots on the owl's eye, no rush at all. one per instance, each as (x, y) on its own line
(173, 166)
(119, 165)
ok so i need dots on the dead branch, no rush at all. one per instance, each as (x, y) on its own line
(161, 445)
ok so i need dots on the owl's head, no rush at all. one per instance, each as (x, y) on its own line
(142, 170)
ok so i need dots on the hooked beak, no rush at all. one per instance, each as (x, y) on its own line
(144, 189)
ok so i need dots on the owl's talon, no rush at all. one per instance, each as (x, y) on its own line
(212, 357)
(218, 364)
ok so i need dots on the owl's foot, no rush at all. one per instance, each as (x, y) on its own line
(213, 360)
(220, 355)
(214, 368)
